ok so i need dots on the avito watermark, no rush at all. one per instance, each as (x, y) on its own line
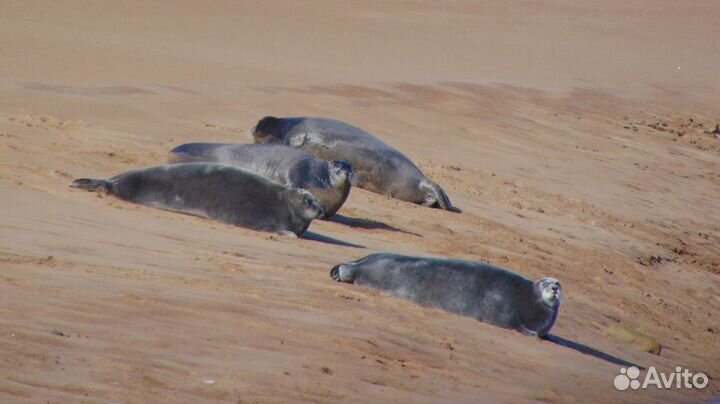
(629, 378)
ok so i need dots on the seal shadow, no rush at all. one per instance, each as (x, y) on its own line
(308, 235)
(366, 224)
(589, 351)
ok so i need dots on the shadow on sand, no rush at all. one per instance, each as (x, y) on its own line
(589, 351)
(308, 235)
(366, 224)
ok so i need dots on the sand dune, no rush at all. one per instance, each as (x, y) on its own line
(576, 138)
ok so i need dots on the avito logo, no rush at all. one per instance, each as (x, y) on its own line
(680, 379)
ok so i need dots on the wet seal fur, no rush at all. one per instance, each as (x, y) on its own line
(377, 167)
(216, 191)
(328, 181)
(473, 289)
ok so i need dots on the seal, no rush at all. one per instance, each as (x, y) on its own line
(328, 181)
(473, 289)
(216, 191)
(377, 167)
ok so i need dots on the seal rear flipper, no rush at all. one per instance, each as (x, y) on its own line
(287, 233)
(443, 201)
(177, 157)
(194, 153)
(342, 273)
(335, 273)
(92, 184)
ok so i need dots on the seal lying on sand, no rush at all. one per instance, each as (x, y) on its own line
(377, 167)
(474, 289)
(216, 191)
(328, 181)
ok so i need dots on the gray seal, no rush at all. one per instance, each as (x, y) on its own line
(377, 167)
(216, 191)
(328, 181)
(473, 289)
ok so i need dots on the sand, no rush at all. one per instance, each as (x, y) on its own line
(575, 137)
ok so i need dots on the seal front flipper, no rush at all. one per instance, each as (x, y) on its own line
(298, 140)
(529, 333)
(287, 233)
(92, 184)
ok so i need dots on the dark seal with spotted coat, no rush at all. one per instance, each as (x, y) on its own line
(216, 191)
(328, 181)
(473, 289)
(377, 167)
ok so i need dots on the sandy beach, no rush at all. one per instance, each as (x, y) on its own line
(576, 138)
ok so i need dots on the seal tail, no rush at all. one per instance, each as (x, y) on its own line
(92, 184)
(443, 200)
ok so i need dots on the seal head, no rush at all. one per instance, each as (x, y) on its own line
(549, 291)
(309, 207)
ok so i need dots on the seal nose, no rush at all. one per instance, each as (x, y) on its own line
(315, 205)
(555, 288)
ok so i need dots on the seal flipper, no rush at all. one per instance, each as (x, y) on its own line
(92, 184)
(298, 140)
(443, 201)
(335, 273)
(181, 157)
(192, 152)
(342, 273)
(528, 332)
